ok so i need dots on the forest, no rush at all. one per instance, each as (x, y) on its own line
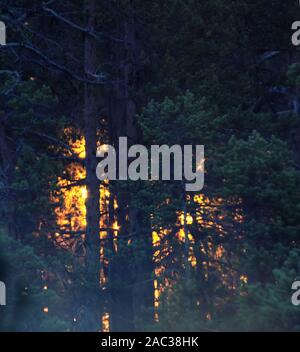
(81, 254)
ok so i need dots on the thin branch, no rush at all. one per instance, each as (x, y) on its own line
(93, 34)
(99, 79)
(57, 141)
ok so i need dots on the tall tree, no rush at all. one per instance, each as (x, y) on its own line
(90, 117)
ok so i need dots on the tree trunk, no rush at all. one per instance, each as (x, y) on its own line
(134, 296)
(93, 297)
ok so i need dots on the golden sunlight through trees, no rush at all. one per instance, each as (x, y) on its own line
(69, 199)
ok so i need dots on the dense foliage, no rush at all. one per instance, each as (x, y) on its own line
(219, 73)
